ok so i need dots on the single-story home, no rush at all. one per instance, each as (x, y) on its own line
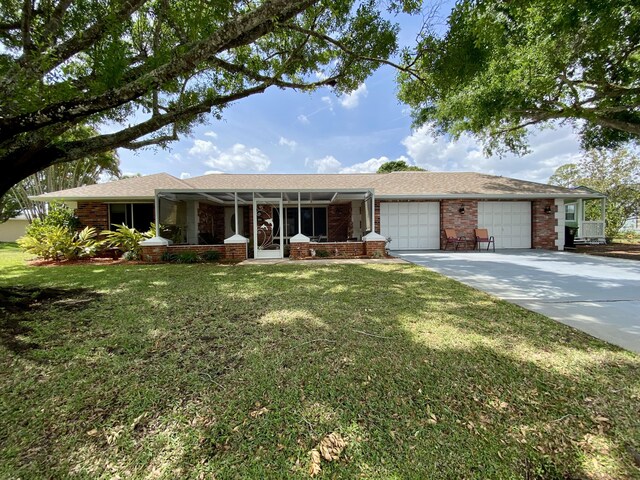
(344, 214)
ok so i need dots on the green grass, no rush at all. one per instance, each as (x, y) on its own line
(203, 371)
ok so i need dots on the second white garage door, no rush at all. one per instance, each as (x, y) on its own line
(411, 225)
(508, 222)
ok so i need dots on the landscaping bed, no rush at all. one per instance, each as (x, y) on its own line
(630, 251)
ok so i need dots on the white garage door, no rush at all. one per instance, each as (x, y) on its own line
(508, 222)
(411, 225)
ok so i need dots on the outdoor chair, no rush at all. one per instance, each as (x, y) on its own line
(482, 236)
(454, 239)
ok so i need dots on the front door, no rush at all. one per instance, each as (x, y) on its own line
(267, 231)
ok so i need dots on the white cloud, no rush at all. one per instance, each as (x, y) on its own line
(184, 175)
(303, 119)
(239, 157)
(327, 164)
(370, 166)
(175, 157)
(549, 149)
(328, 102)
(352, 100)
(213, 172)
(211, 134)
(203, 147)
(285, 142)
(321, 75)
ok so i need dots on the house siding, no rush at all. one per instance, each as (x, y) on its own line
(93, 214)
(543, 225)
(462, 223)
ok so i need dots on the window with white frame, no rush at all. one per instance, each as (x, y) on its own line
(570, 212)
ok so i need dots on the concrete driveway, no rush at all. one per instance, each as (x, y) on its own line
(598, 295)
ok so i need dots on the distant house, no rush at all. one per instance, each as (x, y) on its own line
(13, 229)
(339, 213)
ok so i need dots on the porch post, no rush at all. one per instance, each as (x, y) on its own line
(299, 216)
(157, 219)
(299, 243)
(235, 204)
(373, 211)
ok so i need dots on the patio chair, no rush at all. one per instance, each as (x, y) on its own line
(482, 236)
(454, 239)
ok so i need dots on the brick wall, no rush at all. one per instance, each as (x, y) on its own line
(93, 214)
(462, 223)
(211, 220)
(339, 222)
(196, 248)
(340, 249)
(543, 225)
(377, 216)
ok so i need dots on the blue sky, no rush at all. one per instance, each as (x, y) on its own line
(294, 132)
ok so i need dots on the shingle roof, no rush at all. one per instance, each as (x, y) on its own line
(396, 184)
(135, 188)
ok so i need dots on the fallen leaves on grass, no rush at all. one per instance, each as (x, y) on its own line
(257, 413)
(329, 448)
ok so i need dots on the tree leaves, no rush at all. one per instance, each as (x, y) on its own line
(329, 449)
(502, 66)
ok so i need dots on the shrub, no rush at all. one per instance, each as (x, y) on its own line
(54, 242)
(168, 257)
(322, 253)
(126, 239)
(187, 257)
(54, 237)
(211, 256)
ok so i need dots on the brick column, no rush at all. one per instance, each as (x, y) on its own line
(299, 247)
(543, 224)
(235, 248)
(374, 244)
(154, 248)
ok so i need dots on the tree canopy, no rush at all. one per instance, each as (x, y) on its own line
(615, 174)
(503, 66)
(398, 166)
(60, 176)
(151, 68)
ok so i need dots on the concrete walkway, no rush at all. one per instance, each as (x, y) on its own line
(600, 296)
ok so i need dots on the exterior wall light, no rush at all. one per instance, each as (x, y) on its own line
(547, 209)
(461, 209)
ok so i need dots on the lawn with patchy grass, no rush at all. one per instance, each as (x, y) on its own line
(204, 371)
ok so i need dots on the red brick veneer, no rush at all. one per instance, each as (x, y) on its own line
(543, 225)
(93, 214)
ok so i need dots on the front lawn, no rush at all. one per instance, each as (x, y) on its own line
(202, 371)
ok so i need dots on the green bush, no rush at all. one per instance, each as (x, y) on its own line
(169, 257)
(126, 239)
(211, 256)
(322, 253)
(55, 242)
(187, 257)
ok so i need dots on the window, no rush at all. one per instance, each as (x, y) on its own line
(314, 221)
(570, 212)
(136, 215)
